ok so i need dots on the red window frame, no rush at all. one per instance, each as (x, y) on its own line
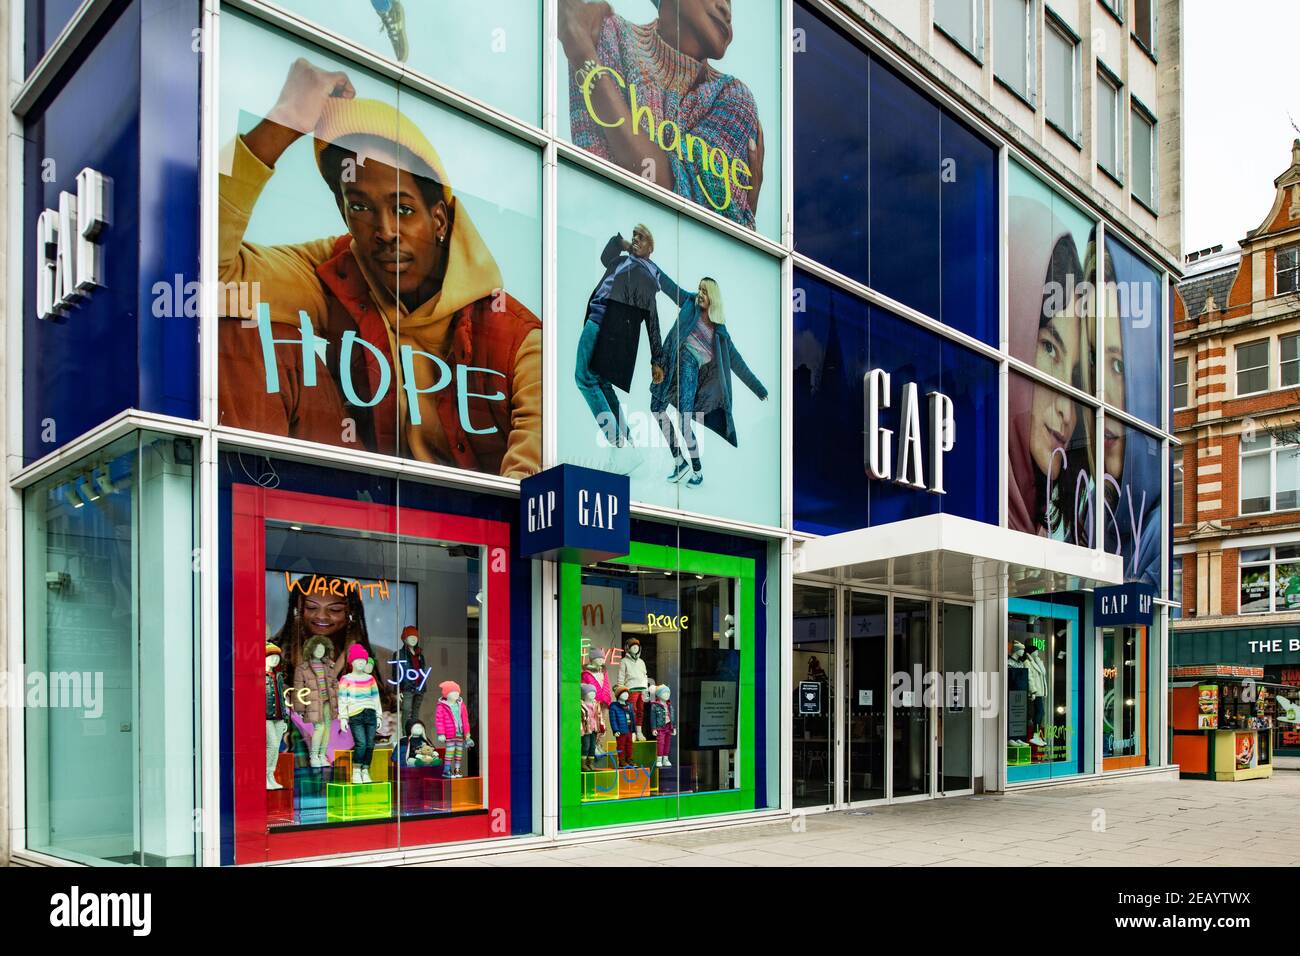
(251, 508)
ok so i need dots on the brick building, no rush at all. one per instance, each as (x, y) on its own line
(1236, 485)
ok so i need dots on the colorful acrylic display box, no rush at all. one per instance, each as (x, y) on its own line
(1019, 754)
(421, 790)
(358, 801)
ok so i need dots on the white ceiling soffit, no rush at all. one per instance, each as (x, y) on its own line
(956, 556)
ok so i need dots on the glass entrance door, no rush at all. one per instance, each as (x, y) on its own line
(866, 638)
(865, 727)
(955, 714)
(815, 630)
(911, 731)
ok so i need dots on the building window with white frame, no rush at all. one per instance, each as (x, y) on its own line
(1013, 46)
(1144, 24)
(1289, 370)
(1287, 278)
(1182, 396)
(1109, 137)
(1270, 579)
(1176, 491)
(962, 21)
(1252, 367)
(1061, 78)
(1144, 156)
(1176, 588)
(1270, 474)
(1116, 7)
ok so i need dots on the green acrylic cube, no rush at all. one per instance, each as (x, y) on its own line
(599, 785)
(358, 801)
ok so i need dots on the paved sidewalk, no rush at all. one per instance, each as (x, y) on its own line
(1118, 823)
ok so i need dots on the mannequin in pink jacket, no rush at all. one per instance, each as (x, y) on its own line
(451, 720)
(595, 675)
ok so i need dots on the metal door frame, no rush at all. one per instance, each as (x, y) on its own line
(839, 743)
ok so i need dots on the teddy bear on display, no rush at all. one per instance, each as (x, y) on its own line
(418, 748)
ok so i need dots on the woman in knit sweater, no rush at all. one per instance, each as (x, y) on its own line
(712, 153)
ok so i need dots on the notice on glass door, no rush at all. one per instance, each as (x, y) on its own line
(718, 713)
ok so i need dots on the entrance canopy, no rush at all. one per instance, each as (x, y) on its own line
(959, 557)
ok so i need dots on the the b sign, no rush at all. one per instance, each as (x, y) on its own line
(1123, 605)
(810, 698)
(878, 457)
(568, 513)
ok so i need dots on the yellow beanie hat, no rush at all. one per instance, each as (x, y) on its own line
(343, 118)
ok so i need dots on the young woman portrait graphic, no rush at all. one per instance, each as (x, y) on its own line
(701, 358)
(1050, 489)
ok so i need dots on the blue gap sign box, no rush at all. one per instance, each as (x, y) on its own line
(569, 513)
(1123, 605)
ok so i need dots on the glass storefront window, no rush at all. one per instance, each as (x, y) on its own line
(662, 715)
(1124, 668)
(109, 656)
(1044, 706)
(382, 647)
(1052, 490)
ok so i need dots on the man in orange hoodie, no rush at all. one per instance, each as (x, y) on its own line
(424, 353)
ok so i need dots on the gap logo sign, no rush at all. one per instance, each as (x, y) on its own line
(1125, 605)
(569, 513)
(70, 255)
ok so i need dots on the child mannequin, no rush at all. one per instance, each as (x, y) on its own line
(359, 711)
(594, 675)
(452, 722)
(316, 694)
(622, 721)
(277, 713)
(592, 726)
(632, 675)
(661, 722)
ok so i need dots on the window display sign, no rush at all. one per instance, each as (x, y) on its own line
(686, 93)
(380, 260)
(810, 698)
(669, 354)
(568, 513)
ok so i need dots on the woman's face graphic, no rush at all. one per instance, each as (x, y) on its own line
(1052, 425)
(704, 298)
(324, 617)
(704, 26)
(1114, 385)
(1060, 348)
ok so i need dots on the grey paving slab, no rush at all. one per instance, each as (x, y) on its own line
(1141, 824)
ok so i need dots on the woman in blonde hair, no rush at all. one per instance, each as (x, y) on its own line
(701, 357)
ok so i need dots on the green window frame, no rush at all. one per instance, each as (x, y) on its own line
(577, 815)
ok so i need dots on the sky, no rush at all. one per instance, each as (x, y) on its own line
(1239, 100)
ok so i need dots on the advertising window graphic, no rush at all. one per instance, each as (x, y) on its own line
(669, 354)
(380, 265)
(684, 92)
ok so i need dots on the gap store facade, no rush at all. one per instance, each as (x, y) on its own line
(307, 304)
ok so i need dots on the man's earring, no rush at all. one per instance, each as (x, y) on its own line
(442, 240)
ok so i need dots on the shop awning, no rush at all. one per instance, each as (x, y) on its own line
(956, 556)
